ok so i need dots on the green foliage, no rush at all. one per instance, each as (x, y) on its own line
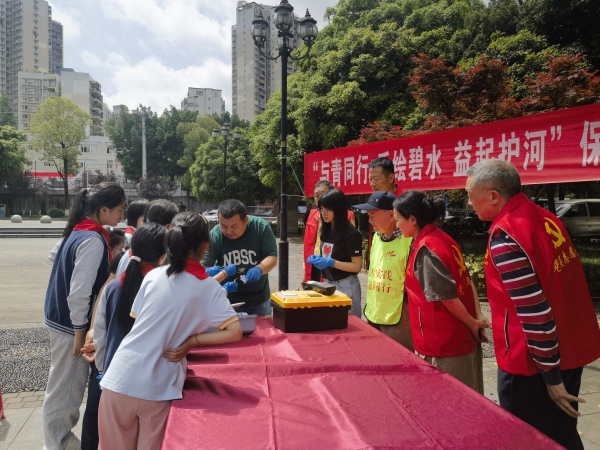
(56, 213)
(153, 188)
(359, 69)
(242, 180)
(7, 116)
(12, 153)
(164, 143)
(57, 128)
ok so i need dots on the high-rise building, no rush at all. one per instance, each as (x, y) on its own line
(255, 77)
(34, 88)
(27, 28)
(85, 92)
(204, 101)
(56, 54)
(79, 87)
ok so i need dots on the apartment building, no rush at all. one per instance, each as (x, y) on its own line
(204, 101)
(26, 27)
(85, 92)
(79, 87)
(255, 77)
(33, 89)
(96, 153)
(56, 59)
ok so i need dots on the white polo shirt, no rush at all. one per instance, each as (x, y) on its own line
(168, 310)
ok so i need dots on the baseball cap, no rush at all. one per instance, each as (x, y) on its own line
(378, 200)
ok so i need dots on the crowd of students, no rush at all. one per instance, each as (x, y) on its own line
(129, 346)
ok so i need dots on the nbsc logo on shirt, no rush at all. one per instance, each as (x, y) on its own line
(239, 257)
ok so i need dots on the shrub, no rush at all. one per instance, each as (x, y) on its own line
(56, 213)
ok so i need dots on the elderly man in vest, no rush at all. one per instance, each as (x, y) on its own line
(543, 321)
(385, 307)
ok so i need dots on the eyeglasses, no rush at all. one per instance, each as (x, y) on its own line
(324, 210)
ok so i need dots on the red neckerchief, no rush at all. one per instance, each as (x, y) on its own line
(129, 230)
(89, 225)
(145, 268)
(195, 269)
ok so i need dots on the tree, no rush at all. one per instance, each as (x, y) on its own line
(194, 135)
(566, 82)
(7, 116)
(242, 181)
(164, 144)
(568, 24)
(156, 187)
(12, 153)
(57, 128)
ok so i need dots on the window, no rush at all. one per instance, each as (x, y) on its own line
(594, 209)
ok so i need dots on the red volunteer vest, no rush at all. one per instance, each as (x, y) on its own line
(546, 242)
(435, 331)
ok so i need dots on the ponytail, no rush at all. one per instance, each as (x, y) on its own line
(188, 231)
(78, 212)
(177, 250)
(147, 245)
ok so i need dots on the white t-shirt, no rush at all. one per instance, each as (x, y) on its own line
(124, 262)
(168, 310)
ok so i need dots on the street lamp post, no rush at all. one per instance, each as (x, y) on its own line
(226, 133)
(284, 22)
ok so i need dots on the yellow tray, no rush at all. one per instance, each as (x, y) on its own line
(309, 299)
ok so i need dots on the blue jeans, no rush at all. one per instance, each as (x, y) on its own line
(261, 309)
(351, 287)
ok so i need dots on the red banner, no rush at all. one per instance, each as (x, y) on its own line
(553, 147)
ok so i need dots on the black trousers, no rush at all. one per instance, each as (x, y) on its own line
(89, 426)
(527, 398)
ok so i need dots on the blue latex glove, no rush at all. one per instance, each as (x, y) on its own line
(253, 275)
(320, 262)
(212, 271)
(231, 270)
(231, 287)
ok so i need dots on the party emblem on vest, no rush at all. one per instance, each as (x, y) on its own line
(553, 230)
(390, 254)
(462, 268)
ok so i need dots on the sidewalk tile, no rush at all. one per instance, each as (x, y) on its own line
(591, 405)
(588, 426)
(12, 425)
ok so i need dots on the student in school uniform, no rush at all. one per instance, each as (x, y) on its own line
(79, 270)
(135, 404)
(157, 211)
(111, 320)
(135, 217)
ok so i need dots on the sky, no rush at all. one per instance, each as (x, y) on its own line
(150, 51)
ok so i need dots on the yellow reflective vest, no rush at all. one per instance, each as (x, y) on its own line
(385, 291)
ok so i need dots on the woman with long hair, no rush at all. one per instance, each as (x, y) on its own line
(79, 270)
(341, 248)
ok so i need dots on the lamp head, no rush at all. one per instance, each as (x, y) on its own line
(308, 29)
(284, 16)
(215, 133)
(225, 129)
(260, 30)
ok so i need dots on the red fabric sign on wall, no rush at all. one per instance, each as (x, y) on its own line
(557, 146)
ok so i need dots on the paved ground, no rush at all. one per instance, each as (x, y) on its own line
(24, 272)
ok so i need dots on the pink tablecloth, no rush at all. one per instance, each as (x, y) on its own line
(344, 389)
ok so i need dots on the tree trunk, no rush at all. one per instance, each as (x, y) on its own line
(66, 182)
